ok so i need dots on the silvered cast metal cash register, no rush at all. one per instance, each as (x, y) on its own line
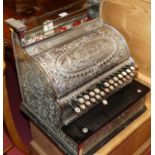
(76, 76)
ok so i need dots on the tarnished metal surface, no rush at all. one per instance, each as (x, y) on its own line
(72, 64)
(51, 70)
(37, 95)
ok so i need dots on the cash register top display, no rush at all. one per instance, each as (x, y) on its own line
(37, 28)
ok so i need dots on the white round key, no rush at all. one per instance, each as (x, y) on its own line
(139, 90)
(102, 93)
(120, 82)
(115, 84)
(82, 106)
(105, 102)
(132, 74)
(128, 77)
(97, 97)
(85, 130)
(124, 73)
(91, 93)
(120, 76)
(115, 78)
(96, 90)
(106, 84)
(87, 103)
(107, 90)
(111, 88)
(128, 70)
(111, 81)
(93, 100)
(86, 97)
(81, 100)
(77, 110)
(124, 79)
(132, 68)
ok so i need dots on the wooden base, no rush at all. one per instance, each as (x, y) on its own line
(41, 144)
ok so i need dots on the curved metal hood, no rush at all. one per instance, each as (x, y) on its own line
(73, 58)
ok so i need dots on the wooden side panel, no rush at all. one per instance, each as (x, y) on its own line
(132, 19)
(43, 142)
(35, 149)
(134, 141)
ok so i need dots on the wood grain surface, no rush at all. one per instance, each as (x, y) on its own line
(132, 19)
(9, 121)
(43, 142)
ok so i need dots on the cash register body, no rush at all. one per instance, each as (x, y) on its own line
(76, 77)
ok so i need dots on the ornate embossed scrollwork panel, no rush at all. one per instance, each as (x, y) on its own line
(36, 91)
(75, 62)
(37, 96)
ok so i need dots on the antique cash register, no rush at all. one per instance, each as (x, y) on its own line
(76, 76)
